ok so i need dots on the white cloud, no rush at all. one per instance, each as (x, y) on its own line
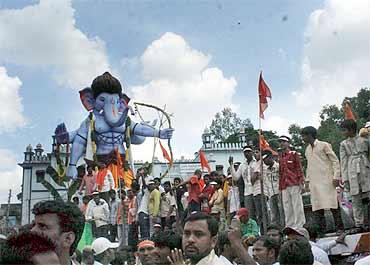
(11, 114)
(336, 54)
(277, 123)
(11, 176)
(179, 77)
(45, 35)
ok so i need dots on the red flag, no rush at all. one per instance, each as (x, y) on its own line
(165, 153)
(348, 113)
(204, 161)
(264, 93)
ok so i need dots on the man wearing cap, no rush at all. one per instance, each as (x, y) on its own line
(323, 174)
(217, 200)
(246, 171)
(248, 226)
(300, 232)
(272, 187)
(147, 253)
(104, 252)
(291, 184)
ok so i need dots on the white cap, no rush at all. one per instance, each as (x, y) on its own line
(150, 180)
(101, 244)
(367, 125)
(213, 183)
(284, 138)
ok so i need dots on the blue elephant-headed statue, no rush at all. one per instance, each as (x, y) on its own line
(106, 124)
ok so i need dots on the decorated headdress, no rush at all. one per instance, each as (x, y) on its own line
(106, 83)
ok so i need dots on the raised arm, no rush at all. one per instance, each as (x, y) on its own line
(143, 129)
(78, 148)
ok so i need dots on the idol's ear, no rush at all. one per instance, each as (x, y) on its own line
(125, 99)
(87, 98)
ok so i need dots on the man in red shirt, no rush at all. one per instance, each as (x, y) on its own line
(291, 184)
(206, 195)
(195, 186)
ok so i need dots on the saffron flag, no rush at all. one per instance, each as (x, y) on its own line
(264, 93)
(204, 161)
(165, 154)
(348, 113)
(265, 145)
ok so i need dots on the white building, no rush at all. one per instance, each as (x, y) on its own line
(34, 169)
(36, 162)
(217, 155)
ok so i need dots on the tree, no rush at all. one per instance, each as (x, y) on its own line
(331, 117)
(297, 141)
(226, 125)
(329, 131)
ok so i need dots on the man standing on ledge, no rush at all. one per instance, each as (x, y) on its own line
(246, 171)
(291, 184)
(323, 174)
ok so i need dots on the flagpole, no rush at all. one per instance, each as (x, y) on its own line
(263, 199)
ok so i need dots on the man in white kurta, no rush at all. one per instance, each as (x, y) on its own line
(323, 174)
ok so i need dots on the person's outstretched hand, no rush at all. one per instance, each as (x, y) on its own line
(177, 258)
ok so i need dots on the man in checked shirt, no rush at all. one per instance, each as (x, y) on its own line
(291, 184)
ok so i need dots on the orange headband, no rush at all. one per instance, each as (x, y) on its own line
(145, 243)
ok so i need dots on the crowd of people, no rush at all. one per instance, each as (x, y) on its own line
(253, 214)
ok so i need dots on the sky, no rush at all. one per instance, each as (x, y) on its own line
(192, 57)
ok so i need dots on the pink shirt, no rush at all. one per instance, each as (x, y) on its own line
(90, 182)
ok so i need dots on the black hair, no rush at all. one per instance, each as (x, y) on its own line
(313, 230)
(274, 227)
(21, 248)
(197, 171)
(106, 83)
(167, 239)
(135, 186)
(211, 222)
(350, 125)
(167, 183)
(69, 215)
(309, 130)
(270, 243)
(177, 178)
(222, 241)
(112, 191)
(296, 252)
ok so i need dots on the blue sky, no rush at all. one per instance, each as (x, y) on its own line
(51, 49)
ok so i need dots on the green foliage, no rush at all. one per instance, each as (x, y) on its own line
(297, 141)
(226, 125)
(331, 116)
(329, 131)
